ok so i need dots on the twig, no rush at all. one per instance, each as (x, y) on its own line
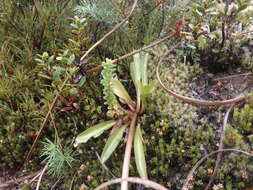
(186, 99)
(246, 32)
(232, 76)
(104, 166)
(109, 33)
(127, 156)
(10, 183)
(221, 146)
(40, 178)
(144, 48)
(137, 180)
(190, 175)
(45, 122)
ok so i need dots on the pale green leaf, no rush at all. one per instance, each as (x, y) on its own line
(139, 154)
(144, 74)
(120, 91)
(112, 143)
(94, 131)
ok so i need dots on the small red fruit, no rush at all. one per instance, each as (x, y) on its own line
(10, 71)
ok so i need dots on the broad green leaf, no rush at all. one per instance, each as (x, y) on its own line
(94, 131)
(120, 91)
(135, 71)
(144, 74)
(139, 154)
(112, 143)
(147, 89)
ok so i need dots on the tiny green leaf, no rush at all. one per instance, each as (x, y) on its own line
(112, 143)
(139, 154)
(120, 91)
(71, 59)
(94, 131)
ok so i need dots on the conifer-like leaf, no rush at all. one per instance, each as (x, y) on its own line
(112, 143)
(94, 131)
(139, 154)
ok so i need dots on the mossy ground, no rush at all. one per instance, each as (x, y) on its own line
(176, 135)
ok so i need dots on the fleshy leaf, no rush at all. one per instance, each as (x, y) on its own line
(139, 154)
(94, 131)
(112, 143)
(120, 91)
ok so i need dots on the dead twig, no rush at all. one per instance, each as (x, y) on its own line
(190, 175)
(35, 142)
(221, 146)
(104, 166)
(137, 180)
(11, 183)
(40, 178)
(232, 76)
(112, 31)
(189, 100)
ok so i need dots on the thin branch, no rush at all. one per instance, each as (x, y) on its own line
(144, 48)
(190, 175)
(36, 141)
(221, 146)
(127, 156)
(186, 99)
(232, 76)
(137, 180)
(10, 183)
(104, 166)
(109, 33)
(40, 178)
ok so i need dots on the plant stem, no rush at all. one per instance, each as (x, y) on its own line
(127, 156)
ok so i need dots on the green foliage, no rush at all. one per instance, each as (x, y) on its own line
(244, 117)
(57, 158)
(108, 73)
(217, 30)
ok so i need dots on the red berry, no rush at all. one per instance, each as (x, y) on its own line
(10, 71)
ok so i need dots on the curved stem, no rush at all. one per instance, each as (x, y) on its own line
(190, 175)
(221, 146)
(137, 180)
(127, 156)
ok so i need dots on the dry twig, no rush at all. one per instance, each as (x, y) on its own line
(189, 100)
(109, 33)
(221, 146)
(190, 175)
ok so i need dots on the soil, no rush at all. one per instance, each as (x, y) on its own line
(222, 86)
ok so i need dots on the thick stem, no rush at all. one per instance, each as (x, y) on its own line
(127, 156)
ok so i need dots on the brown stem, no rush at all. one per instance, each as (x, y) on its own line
(144, 48)
(190, 175)
(221, 146)
(11, 183)
(186, 99)
(109, 33)
(127, 156)
(137, 180)
(35, 142)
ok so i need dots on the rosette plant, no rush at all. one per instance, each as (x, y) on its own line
(115, 95)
